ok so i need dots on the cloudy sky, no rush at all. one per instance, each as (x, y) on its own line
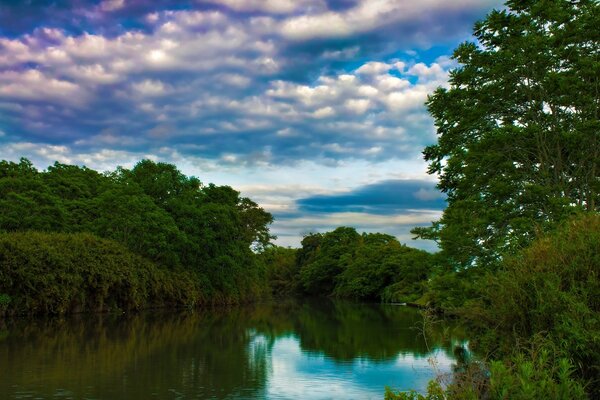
(313, 108)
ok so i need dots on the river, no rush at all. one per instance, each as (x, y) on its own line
(282, 350)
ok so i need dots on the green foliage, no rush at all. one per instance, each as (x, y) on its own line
(281, 269)
(518, 156)
(127, 216)
(539, 377)
(434, 392)
(520, 378)
(448, 290)
(56, 273)
(371, 266)
(518, 146)
(383, 268)
(154, 210)
(335, 250)
(26, 202)
(551, 288)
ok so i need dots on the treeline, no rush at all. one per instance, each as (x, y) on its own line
(343, 263)
(160, 228)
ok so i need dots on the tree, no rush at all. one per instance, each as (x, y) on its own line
(26, 203)
(518, 129)
(333, 253)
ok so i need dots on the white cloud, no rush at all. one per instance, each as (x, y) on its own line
(375, 88)
(34, 85)
(150, 88)
(367, 15)
(373, 68)
(324, 112)
(234, 80)
(269, 6)
(388, 83)
(323, 25)
(92, 73)
(344, 54)
(358, 106)
(112, 5)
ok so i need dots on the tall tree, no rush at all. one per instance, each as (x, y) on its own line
(518, 129)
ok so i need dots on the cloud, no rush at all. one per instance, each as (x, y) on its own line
(111, 5)
(326, 95)
(382, 198)
(150, 88)
(33, 85)
(136, 81)
(374, 68)
(368, 15)
(268, 6)
(290, 230)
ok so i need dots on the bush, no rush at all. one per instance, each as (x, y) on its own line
(525, 376)
(550, 290)
(56, 273)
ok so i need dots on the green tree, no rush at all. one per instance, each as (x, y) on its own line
(154, 210)
(518, 129)
(26, 202)
(333, 254)
(161, 181)
(126, 215)
(76, 187)
(382, 267)
(281, 269)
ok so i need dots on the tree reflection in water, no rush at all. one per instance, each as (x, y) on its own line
(221, 353)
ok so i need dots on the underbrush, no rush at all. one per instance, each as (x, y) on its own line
(550, 292)
(536, 319)
(56, 273)
(524, 376)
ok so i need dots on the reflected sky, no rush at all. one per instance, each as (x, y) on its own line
(297, 374)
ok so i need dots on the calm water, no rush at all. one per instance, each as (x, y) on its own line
(311, 350)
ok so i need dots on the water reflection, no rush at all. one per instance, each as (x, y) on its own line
(277, 351)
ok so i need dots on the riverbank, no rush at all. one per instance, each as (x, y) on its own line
(58, 273)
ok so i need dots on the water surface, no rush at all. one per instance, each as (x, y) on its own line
(290, 350)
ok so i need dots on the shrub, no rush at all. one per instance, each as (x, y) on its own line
(525, 376)
(56, 273)
(550, 290)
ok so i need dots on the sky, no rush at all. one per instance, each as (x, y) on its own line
(312, 108)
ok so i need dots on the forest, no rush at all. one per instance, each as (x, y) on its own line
(517, 155)
(74, 239)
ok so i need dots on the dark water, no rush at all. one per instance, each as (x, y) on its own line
(310, 350)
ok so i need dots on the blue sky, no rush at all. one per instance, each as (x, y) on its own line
(313, 108)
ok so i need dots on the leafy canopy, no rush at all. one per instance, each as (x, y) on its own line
(518, 129)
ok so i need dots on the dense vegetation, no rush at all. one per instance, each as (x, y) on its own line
(166, 220)
(535, 319)
(344, 263)
(546, 296)
(56, 273)
(518, 145)
(518, 156)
